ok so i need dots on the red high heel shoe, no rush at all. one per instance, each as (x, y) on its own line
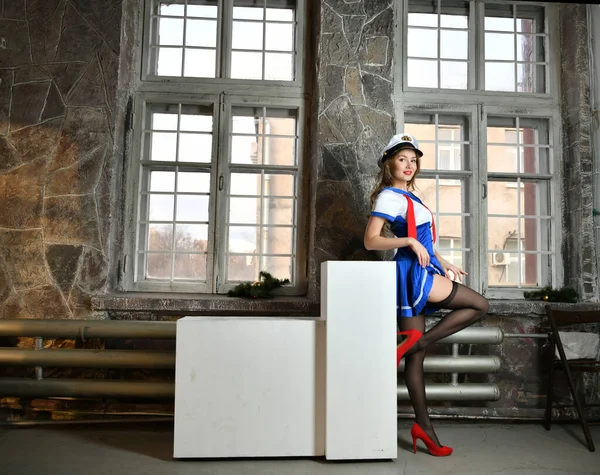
(412, 336)
(436, 450)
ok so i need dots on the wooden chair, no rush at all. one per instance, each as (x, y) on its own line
(572, 319)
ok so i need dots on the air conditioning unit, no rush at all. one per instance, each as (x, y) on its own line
(500, 258)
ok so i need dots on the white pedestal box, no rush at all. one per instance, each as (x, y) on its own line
(358, 302)
(249, 387)
(276, 387)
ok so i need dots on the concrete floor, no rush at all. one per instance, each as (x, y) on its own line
(146, 448)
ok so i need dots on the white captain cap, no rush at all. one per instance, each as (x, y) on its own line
(398, 142)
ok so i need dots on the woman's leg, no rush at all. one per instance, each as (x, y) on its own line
(467, 307)
(414, 377)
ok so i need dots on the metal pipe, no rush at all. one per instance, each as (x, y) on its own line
(87, 358)
(459, 364)
(39, 371)
(476, 335)
(85, 329)
(455, 392)
(49, 387)
(454, 355)
(526, 335)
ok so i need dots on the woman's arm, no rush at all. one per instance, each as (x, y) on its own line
(375, 242)
(441, 260)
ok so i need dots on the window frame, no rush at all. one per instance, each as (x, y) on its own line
(223, 49)
(148, 89)
(476, 104)
(476, 53)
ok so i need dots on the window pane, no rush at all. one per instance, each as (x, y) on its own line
(192, 208)
(201, 33)
(248, 13)
(455, 21)
(422, 73)
(422, 43)
(503, 269)
(278, 211)
(454, 44)
(170, 32)
(278, 267)
(206, 11)
(279, 185)
(190, 266)
(244, 149)
(500, 77)
(193, 182)
(279, 67)
(169, 61)
(163, 146)
(499, 24)
(277, 240)
(163, 121)
(244, 210)
(196, 122)
(200, 63)
(280, 14)
(162, 181)
(453, 75)
(191, 237)
(422, 19)
(499, 46)
(159, 266)
(160, 237)
(195, 148)
(500, 230)
(450, 225)
(246, 65)
(245, 184)
(281, 151)
(279, 37)
(242, 268)
(243, 239)
(503, 159)
(247, 35)
(531, 78)
(161, 208)
(449, 249)
(167, 8)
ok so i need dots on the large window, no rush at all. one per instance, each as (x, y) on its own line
(477, 90)
(215, 177)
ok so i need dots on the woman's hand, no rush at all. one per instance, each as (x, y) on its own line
(456, 271)
(420, 251)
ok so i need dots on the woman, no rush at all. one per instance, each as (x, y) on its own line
(425, 281)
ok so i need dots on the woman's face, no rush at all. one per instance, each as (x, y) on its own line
(404, 166)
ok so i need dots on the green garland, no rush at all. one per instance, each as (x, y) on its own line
(262, 289)
(548, 294)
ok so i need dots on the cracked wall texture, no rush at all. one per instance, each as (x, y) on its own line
(355, 112)
(58, 80)
(579, 247)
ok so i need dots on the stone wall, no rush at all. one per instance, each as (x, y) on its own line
(58, 80)
(355, 119)
(579, 247)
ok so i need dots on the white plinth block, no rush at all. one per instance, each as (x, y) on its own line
(249, 387)
(358, 301)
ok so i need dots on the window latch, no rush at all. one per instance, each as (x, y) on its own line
(484, 190)
(221, 182)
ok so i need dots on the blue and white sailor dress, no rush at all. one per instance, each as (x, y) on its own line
(409, 217)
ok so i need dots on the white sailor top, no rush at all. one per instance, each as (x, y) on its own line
(409, 217)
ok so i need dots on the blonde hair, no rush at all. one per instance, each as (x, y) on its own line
(385, 178)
